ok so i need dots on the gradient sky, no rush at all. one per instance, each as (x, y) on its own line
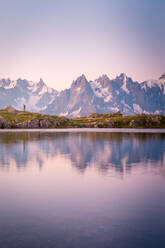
(58, 40)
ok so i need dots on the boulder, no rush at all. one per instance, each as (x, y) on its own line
(56, 124)
(136, 123)
(10, 109)
(35, 123)
(110, 124)
(4, 123)
(44, 123)
(94, 115)
(115, 114)
(24, 124)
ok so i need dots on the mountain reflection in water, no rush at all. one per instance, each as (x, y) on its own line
(82, 189)
(106, 152)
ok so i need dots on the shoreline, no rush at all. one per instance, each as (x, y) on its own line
(83, 130)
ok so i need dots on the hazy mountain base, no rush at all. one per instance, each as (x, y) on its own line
(11, 118)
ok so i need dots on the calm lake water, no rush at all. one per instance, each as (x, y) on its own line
(82, 189)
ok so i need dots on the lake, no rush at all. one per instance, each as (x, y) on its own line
(82, 188)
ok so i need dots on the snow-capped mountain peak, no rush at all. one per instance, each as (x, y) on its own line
(102, 95)
(160, 83)
(123, 79)
(35, 95)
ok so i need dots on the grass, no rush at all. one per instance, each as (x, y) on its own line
(124, 121)
(141, 121)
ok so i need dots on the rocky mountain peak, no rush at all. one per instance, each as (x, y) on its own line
(5, 82)
(79, 82)
(103, 78)
(162, 76)
(41, 82)
(122, 77)
(82, 78)
(101, 95)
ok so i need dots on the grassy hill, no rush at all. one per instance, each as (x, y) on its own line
(12, 118)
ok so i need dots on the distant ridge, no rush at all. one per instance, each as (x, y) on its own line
(103, 95)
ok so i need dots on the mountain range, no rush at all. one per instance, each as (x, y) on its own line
(103, 95)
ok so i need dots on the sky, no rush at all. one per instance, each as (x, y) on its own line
(59, 40)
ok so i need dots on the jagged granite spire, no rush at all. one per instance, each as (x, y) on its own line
(162, 76)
